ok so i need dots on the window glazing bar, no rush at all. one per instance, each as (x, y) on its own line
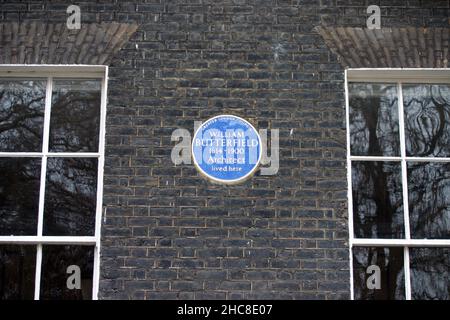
(412, 159)
(349, 186)
(48, 240)
(401, 119)
(51, 154)
(365, 242)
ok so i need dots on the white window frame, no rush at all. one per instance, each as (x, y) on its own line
(396, 76)
(50, 72)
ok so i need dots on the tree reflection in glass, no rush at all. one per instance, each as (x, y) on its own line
(22, 104)
(391, 280)
(429, 200)
(430, 273)
(427, 120)
(55, 261)
(17, 271)
(19, 196)
(70, 197)
(75, 116)
(374, 129)
(377, 199)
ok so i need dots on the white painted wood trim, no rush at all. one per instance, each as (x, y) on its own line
(99, 207)
(360, 242)
(395, 75)
(50, 154)
(399, 77)
(45, 71)
(349, 191)
(404, 168)
(69, 240)
(50, 72)
(408, 159)
(38, 271)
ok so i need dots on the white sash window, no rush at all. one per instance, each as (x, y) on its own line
(398, 142)
(52, 127)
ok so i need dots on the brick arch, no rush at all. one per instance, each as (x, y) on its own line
(37, 42)
(407, 47)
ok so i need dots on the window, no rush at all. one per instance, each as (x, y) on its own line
(398, 142)
(52, 123)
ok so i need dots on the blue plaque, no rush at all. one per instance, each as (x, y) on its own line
(226, 149)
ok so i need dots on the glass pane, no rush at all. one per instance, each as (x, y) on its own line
(430, 273)
(75, 116)
(22, 104)
(429, 200)
(67, 272)
(377, 199)
(70, 197)
(373, 119)
(17, 272)
(378, 274)
(427, 120)
(19, 195)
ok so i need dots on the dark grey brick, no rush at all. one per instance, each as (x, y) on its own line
(171, 234)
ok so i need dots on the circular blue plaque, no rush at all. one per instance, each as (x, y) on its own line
(226, 149)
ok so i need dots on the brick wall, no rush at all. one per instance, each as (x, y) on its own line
(167, 232)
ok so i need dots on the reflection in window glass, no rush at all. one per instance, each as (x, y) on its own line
(17, 271)
(429, 200)
(70, 197)
(377, 199)
(374, 129)
(69, 193)
(430, 273)
(75, 116)
(67, 272)
(22, 104)
(378, 273)
(427, 120)
(19, 195)
(377, 186)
